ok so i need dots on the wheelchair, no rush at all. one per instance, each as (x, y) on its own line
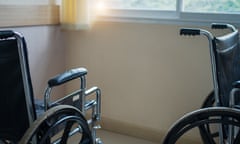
(218, 120)
(25, 120)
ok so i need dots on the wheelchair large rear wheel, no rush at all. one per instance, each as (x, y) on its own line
(59, 125)
(205, 131)
(215, 118)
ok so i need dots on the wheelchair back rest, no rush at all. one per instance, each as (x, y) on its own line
(14, 104)
(228, 64)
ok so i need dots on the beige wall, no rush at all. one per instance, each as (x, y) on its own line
(149, 75)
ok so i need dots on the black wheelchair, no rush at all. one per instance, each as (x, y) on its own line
(218, 120)
(25, 120)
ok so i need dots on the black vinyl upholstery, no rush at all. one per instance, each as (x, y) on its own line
(227, 61)
(13, 108)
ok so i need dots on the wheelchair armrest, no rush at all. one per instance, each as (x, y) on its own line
(236, 84)
(67, 76)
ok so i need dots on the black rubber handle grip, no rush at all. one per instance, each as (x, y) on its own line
(236, 84)
(219, 26)
(189, 31)
(67, 76)
(6, 34)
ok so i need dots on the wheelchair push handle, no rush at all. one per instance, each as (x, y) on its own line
(219, 26)
(6, 34)
(223, 26)
(67, 76)
(189, 31)
(196, 32)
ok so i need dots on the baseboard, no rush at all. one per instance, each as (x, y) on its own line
(138, 131)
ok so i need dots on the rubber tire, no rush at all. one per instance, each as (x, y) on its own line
(204, 117)
(55, 116)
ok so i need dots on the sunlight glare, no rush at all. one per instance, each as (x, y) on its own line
(101, 7)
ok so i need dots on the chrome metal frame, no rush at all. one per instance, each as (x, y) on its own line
(214, 75)
(213, 63)
(83, 105)
(25, 75)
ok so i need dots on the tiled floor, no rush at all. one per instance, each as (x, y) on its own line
(115, 138)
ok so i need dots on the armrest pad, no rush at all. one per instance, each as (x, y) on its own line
(67, 76)
(236, 84)
(6, 34)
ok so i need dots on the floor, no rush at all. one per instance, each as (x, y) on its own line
(111, 138)
(115, 138)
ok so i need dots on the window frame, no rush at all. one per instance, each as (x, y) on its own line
(179, 16)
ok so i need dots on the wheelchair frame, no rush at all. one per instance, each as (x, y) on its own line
(79, 104)
(78, 97)
(220, 107)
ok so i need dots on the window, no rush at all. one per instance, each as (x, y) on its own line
(171, 11)
(212, 6)
(142, 4)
